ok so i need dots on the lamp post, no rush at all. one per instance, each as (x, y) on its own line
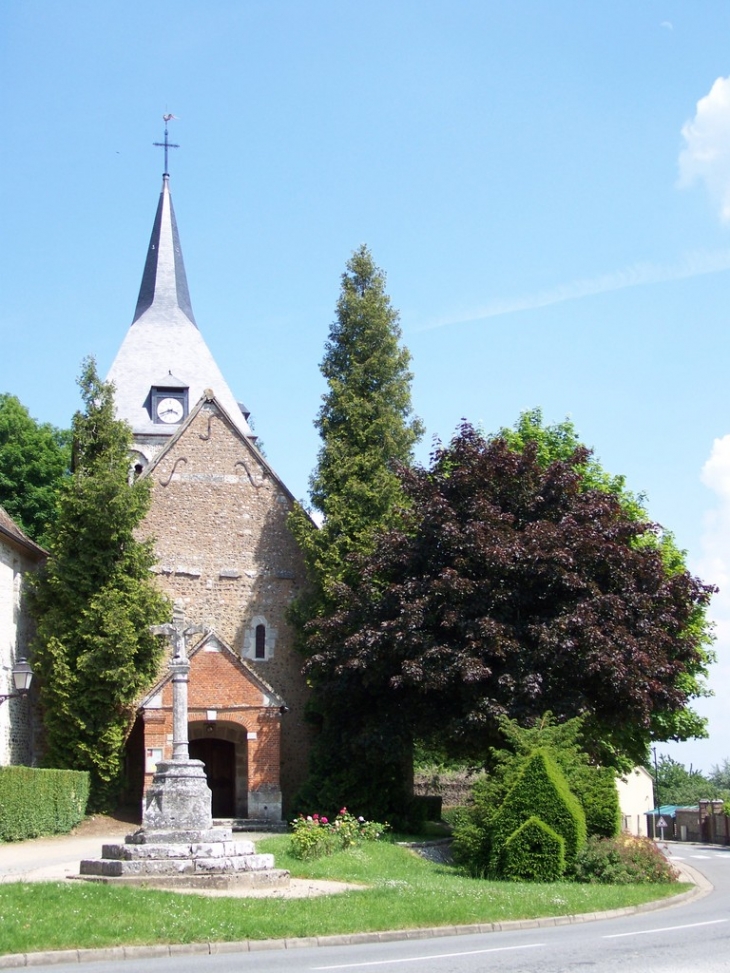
(22, 675)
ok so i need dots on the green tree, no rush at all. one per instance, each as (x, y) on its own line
(367, 431)
(675, 784)
(720, 775)
(34, 459)
(95, 601)
(592, 785)
(366, 428)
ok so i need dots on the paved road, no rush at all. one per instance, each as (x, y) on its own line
(49, 859)
(693, 937)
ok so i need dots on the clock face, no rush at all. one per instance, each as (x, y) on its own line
(169, 410)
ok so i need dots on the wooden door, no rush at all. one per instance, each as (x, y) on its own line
(219, 757)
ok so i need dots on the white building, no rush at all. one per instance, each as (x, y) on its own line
(18, 555)
(636, 799)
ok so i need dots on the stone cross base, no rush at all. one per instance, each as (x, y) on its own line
(209, 859)
(179, 798)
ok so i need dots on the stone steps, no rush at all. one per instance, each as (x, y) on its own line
(169, 858)
(252, 824)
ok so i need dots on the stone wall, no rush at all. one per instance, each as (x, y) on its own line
(219, 523)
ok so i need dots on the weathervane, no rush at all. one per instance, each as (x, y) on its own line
(167, 144)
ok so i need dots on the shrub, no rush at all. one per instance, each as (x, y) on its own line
(470, 847)
(36, 802)
(534, 853)
(315, 835)
(622, 861)
(595, 788)
(541, 790)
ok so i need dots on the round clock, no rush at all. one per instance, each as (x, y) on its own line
(170, 410)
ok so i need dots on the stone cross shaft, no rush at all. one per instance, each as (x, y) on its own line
(178, 632)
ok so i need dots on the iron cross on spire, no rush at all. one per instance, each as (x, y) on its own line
(167, 144)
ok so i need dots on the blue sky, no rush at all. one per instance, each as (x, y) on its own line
(546, 184)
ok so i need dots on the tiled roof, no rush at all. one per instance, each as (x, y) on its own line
(9, 529)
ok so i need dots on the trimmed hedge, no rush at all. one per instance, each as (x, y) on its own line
(541, 790)
(35, 802)
(534, 853)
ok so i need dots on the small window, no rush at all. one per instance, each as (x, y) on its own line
(260, 642)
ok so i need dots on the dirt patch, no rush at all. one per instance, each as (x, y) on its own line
(122, 822)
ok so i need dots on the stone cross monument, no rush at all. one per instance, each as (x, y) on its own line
(179, 798)
(177, 844)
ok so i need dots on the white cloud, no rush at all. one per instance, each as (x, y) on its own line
(706, 155)
(713, 566)
(691, 265)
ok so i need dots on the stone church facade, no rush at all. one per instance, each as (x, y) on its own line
(218, 518)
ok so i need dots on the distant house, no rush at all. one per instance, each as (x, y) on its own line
(19, 729)
(636, 800)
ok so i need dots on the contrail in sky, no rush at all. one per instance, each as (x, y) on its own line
(692, 265)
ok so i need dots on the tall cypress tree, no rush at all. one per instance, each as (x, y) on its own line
(366, 426)
(95, 601)
(368, 431)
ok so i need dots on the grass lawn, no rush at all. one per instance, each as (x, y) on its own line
(405, 891)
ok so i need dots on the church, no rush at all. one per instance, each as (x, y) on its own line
(218, 518)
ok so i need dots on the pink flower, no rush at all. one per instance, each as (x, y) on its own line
(315, 817)
(343, 811)
(324, 820)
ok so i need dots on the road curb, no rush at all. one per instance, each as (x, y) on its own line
(701, 887)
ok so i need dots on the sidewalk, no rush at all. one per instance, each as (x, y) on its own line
(56, 857)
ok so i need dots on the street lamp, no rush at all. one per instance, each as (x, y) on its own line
(22, 675)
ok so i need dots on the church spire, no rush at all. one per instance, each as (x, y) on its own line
(164, 367)
(164, 287)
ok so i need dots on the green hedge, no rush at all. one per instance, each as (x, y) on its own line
(534, 853)
(35, 802)
(542, 791)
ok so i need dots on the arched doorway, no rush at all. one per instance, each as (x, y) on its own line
(219, 757)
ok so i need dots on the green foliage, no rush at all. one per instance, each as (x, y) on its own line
(315, 835)
(34, 459)
(622, 861)
(675, 784)
(37, 802)
(367, 431)
(561, 442)
(365, 427)
(95, 600)
(543, 791)
(720, 775)
(593, 785)
(534, 853)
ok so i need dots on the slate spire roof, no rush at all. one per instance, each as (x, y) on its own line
(164, 338)
(164, 283)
